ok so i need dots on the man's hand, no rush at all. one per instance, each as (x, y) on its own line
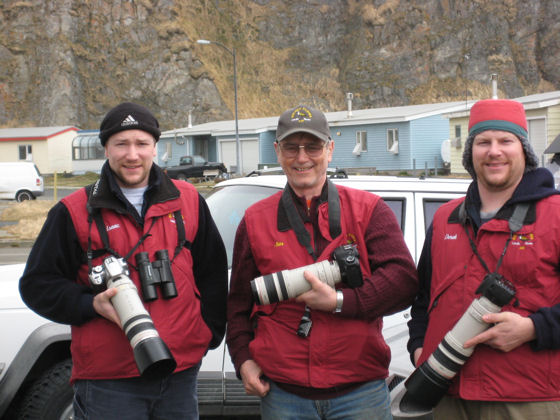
(103, 306)
(252, 377)
(321, 296)
(509, 332)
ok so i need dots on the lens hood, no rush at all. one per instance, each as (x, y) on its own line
(153, 358)
(425, 387)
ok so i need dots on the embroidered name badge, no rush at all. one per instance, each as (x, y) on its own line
(523, 241)
(115, 226)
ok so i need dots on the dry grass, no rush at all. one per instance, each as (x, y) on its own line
(30, 217)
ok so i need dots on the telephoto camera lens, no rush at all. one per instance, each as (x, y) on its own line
(430, 381)
(288, 284)
(152, 356)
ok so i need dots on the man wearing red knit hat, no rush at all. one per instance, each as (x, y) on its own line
(499, 244)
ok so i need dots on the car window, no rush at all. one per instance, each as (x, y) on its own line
(398, 207)
(228, 206)
(198, 160)
(430, 207)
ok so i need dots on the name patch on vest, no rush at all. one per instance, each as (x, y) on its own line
(115, 226)
(523, 241)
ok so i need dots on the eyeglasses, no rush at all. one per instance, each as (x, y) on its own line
(291, 150)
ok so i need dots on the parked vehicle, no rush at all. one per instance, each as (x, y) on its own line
(35, 354)
(195, 167)
(20, 181)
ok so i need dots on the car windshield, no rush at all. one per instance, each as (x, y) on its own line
(228, 205)
(198, 160)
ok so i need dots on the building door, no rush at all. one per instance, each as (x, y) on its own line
(227, 155)
(201, 147)
(250, 153)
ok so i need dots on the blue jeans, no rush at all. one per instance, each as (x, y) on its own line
(137, 398)
(371, 401)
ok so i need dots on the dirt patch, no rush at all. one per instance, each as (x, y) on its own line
(30, 217)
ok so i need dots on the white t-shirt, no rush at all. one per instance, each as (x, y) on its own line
(135, 196)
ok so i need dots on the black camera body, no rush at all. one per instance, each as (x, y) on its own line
(348, 261)
(496, 289)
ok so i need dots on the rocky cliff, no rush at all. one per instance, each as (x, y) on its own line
(66, 62)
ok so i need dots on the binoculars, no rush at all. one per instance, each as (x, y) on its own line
(154, 274)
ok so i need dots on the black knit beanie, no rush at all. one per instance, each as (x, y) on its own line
(128, 116)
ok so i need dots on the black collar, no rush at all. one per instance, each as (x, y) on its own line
(289, 216)
(105, 193)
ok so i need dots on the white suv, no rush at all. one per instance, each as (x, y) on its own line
(35, 357)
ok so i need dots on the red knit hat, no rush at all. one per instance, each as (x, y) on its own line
(503, 115)
(498, 114)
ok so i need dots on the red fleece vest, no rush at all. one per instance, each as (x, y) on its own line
(100, 350)
(338, 350)
(531, 264)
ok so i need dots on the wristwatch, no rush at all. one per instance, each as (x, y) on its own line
(339, 299)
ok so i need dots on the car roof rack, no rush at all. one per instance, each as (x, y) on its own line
(277, 170)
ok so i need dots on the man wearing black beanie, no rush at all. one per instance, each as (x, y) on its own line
(134, 212)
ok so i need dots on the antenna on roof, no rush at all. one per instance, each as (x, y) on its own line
(494, 79)
(466, 56)
(349, 97)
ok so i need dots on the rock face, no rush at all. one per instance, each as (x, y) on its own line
(66, 62)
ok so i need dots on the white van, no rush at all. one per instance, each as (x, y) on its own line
(35, 359)
(20, 181)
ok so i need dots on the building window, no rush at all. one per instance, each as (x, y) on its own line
(25, 152)
(393, 140)
(168, 154)
(456, 141)
(87, 147)
(361, 139)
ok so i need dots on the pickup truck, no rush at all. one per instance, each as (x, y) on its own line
(35, 358)
(195, 167)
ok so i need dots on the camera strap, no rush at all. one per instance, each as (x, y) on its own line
(297, 225)
(95, 215)
(515, 223)
(181, 235)
(304, 238)
(105, 240)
